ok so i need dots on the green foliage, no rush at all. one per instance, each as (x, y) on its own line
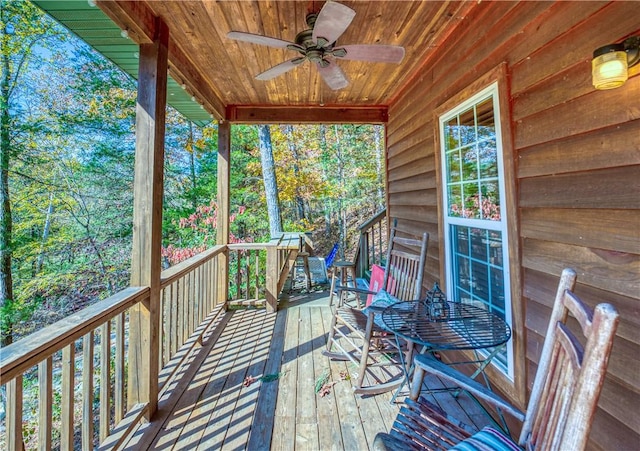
(72, 175)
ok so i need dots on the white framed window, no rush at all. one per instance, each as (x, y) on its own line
(475, 221)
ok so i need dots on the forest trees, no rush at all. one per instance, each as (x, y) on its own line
(67, 173)
(24, 30)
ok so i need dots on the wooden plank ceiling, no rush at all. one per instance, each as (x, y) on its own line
(219, 72)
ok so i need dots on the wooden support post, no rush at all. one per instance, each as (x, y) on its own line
(144, 340)
(222, 235)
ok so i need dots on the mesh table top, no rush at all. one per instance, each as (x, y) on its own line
(446, 326)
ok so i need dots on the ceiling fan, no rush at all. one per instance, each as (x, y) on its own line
(318, 45)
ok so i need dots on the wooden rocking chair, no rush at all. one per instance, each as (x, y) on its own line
(357, 335)
(563, 400)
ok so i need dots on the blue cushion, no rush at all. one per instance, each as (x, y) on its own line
(488, 439)
(381, 300)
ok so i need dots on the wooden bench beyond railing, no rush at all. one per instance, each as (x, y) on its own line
(63, 360)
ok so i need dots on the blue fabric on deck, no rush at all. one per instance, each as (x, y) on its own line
(488, 439)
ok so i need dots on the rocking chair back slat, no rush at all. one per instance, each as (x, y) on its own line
(569, 377)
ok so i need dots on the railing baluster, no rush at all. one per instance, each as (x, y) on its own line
(105, 379)
(188, 299)
(118, 385)
(192, 302)
(87, 392)
(257, 277)
(174, 318)
(238, 266)
(180, 318)
(247, 265)
(14, 413)
(45, 398)
(68, 397)
(165, 325)
(201, 279)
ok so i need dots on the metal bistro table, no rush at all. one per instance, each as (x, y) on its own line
(446, 326)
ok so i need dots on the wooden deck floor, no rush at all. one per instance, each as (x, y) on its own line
(209, 407)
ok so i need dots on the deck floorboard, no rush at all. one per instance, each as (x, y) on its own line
(210, 406)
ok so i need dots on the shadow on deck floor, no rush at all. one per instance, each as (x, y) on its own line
(251, 385)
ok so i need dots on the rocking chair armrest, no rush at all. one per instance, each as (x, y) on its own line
(425, 362)
(354, 289)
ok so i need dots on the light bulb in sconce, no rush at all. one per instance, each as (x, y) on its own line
(611, 63)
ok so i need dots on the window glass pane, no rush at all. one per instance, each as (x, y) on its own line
(480, 282)
(455, 200)
(486, 125)
(471, 201)
(463, 240)
(478, 274)
(495, 248)
(451, 133)
(488, 202)
(488, 158)
(467, 127)
(453, 166)
(497, 289)
(469, 163)
(479, 244)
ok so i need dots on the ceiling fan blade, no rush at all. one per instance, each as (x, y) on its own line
(258, 39)
(279, 69)
(333, 76)
(373, 53)
(332, 21)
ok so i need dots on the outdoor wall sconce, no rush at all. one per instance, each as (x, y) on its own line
(610, 63)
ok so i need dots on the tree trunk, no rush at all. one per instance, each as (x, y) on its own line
(269, 179)
(299, 201)
(45, 235)
(192, 168)
(325, 157)
(341, 188)
(377, 136)
(6, 280)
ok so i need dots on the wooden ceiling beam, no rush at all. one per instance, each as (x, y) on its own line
(140, 23)
(134, 17)
(248, 114)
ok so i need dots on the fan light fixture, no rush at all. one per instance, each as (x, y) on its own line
(610, 63)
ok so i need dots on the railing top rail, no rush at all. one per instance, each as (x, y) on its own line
(33, 349)
(248, 246)
(172, 274)
(376, 218)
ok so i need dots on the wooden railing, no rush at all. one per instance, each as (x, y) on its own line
(260, 270)
(248, 274)
(64, 355)
(188, 297)
(84, 356)
(372, 243)
(81, 366)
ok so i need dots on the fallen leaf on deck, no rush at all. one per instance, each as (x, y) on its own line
(326, 389)
(344, 376)
(248, 381)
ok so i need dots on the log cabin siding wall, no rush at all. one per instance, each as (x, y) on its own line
(577, 159)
